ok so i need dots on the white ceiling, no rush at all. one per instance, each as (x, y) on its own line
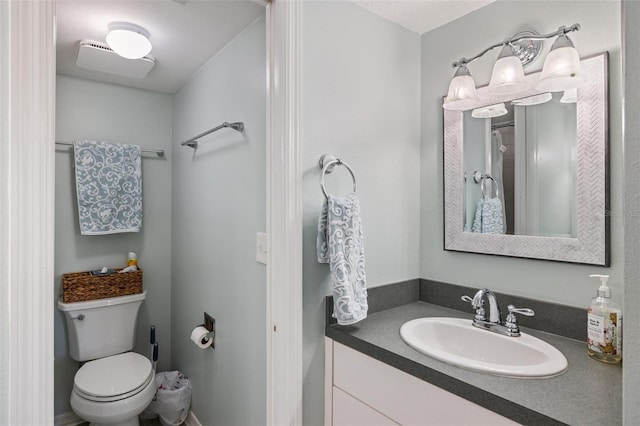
(422, 15)
(184, 35)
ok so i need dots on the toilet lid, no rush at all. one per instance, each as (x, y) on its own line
(114, 375)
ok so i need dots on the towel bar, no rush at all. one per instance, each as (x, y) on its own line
(158, 152)
(193, 142)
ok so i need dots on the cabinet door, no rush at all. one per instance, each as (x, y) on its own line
(348, 411)
(402, 397)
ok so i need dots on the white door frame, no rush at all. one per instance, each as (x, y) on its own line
(284, 215)
(27, 129)
(27, 95)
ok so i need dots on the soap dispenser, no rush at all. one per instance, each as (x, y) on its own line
(604, 325)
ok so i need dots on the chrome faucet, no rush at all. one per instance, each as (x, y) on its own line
(478, 305)
(492, 320)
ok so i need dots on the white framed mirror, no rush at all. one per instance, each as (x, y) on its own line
(537, 169)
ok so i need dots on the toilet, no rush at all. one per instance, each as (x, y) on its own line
(114, 385)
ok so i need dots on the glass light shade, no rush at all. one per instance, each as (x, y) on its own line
(507, 76)
(462, 91)
(569, 96)
(533, 100)
(489, 111)
(561, 71)
(128, 40)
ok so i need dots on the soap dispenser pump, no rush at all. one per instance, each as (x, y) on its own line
(604, 325)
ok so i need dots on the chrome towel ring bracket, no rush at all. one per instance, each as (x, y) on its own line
(327, 164)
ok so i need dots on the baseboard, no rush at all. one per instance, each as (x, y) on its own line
(71, 419)
(191, 420)
(67, 419)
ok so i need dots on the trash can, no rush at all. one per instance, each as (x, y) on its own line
(173, 398)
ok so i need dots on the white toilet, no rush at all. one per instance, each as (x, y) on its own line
(114, 385)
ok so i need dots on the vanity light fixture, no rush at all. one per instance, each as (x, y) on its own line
(128, 40)
(569, 96)
(508, 74)
(462, 90)
(533, 100)
(561, 70)
(489, 111)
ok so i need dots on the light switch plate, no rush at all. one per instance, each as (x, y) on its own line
(261, 247)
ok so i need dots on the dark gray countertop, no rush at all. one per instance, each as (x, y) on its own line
(589, 393)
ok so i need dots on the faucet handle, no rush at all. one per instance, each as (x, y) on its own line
(467, 299)
(528, 312)
(480, 314)
(511, 322)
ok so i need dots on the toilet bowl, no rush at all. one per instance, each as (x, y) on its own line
(113, 390)
(113, 385)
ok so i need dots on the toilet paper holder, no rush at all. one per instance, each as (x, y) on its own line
(210, 324)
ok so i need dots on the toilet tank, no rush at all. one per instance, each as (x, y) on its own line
(104, 327)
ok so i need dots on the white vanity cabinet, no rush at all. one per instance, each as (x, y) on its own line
(362, 391)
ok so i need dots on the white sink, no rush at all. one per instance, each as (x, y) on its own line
(456, 341)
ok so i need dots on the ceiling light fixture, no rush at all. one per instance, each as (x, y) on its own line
(128, 40)
(561, 70)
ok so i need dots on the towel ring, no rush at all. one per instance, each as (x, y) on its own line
(495, 185)
(328, 168)
(480, 178)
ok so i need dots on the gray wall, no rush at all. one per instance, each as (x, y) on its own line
(558, 282)
(361, 91)
(100, 111)
(631, 371)
(219, 203)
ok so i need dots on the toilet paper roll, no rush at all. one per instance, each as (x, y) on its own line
(199, 337)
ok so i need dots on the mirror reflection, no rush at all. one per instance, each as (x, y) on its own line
(520, 166)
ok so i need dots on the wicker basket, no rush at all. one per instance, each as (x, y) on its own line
(82, 286)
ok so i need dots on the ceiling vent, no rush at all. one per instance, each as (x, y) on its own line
(96, 56)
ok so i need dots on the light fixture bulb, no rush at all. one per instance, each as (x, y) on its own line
(490, 111)
(462, 91)
(128, 40)
(569, 96)
(508, 75)
(562, 69)
(533, 100)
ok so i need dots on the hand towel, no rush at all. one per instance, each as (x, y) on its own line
(108, 187)
(340, 244)
(488, 219)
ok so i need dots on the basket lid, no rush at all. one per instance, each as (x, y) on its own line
(114, 375)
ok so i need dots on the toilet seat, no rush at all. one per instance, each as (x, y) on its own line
(113, 378)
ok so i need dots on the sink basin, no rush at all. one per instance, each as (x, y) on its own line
(456, 341)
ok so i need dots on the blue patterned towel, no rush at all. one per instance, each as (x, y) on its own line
(488, 219)
(340, 244)
(109, 187)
